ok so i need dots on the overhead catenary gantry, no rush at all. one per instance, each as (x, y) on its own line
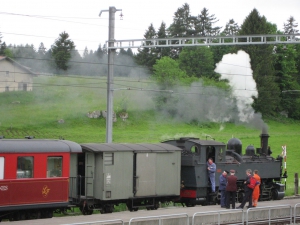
(259, 39)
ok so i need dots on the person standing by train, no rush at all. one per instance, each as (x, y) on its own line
(222, 188)
(211, 167)
(256, 190)
(248, 191)
(231, 189)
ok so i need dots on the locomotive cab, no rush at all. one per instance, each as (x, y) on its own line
(195, 186)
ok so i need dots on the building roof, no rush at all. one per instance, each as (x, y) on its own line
(27, 69)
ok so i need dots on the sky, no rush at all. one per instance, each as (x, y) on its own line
(35, 21)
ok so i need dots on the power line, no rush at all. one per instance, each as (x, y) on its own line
(62, 20)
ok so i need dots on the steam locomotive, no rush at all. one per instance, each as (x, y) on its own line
(39, 176)
(195, 188)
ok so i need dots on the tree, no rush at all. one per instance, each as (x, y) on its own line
(182, 25)
(147, 56)
(25, 55)
(2, 46)
(262, 59)
(231, 28)
(287, 74)
(198, 62)
(204, 24)
(167, 74)
(162, 33)
(61, 50)
(99, 52)
(85, 52)
(290, 26)
(42, 49)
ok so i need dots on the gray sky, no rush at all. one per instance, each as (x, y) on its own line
(46, 19)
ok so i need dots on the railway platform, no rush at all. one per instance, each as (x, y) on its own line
(267, 212)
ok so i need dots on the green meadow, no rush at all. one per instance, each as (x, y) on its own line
(58, 106)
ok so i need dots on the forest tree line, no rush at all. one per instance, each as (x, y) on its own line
(276, 69)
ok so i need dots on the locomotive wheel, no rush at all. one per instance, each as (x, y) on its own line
(274, 194)
(188, 204)
(241, 196)
(130, 208)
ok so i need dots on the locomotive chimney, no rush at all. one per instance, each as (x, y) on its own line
(264, 143)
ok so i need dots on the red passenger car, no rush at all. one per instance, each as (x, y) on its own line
(34, 177)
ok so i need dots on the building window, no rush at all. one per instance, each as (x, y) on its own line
(54, 166)
(25, 167)
(7, 74)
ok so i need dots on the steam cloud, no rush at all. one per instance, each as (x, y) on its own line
(199, 103)
(236, 68)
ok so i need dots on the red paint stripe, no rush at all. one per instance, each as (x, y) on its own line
(188, 193)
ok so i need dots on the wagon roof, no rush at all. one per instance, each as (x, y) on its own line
(38, 145)
(143, 147)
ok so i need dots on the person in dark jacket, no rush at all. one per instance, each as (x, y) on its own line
(231, 189)
(248, 191)
(222, 188)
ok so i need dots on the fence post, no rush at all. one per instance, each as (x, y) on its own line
(296, 183)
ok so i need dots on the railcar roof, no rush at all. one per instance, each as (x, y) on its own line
(197, 141)
(143, 147)
(38, 145)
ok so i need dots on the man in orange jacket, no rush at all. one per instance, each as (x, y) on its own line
(256, 190)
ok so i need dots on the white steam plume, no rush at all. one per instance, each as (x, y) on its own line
(236, 68)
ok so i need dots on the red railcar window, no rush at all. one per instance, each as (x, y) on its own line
(54, 166)
(25, 167)
(1, 168)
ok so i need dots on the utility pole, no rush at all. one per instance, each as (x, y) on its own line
(110, 78)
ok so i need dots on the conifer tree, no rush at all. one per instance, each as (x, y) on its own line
(62, 50)
(291, 26)
(204, 24)
(262, 59)
(147, 56)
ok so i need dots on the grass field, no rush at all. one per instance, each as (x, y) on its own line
(37, 113)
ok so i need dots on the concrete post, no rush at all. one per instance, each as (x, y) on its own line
(110, 77)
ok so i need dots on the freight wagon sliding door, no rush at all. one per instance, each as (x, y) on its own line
(145, 173)
(89, 173)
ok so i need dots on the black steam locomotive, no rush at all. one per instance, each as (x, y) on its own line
(195, 187)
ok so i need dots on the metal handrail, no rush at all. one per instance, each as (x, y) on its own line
(101, 221)
(160, 217)
(269, 212)
(295, 214)
(219, 213)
